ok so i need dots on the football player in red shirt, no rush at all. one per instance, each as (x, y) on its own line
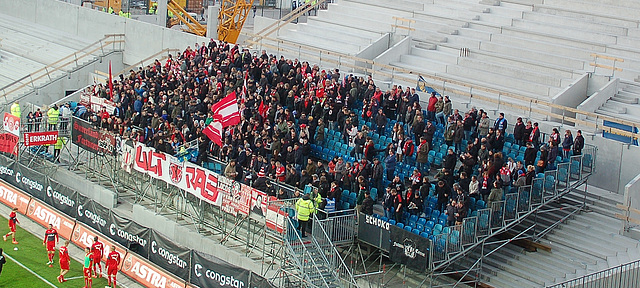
(113, 261)
(12, 226)
(50, 240)
(97, 249)
(65, 260)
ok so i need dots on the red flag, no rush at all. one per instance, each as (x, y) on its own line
(110, 82)
(227, 108)
(214, 130)
(262, 109)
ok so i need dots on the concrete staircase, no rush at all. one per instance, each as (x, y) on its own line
(624, 104)
(585, 243)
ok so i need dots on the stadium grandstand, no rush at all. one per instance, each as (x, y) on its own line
(458, 143)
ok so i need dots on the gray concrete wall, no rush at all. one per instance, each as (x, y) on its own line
(141, 40)
(616, 163)
(598, 98)
(54, 90)
(574, 94)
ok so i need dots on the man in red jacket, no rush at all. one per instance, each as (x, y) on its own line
(431, 107)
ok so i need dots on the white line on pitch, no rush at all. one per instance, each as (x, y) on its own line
(34, 273)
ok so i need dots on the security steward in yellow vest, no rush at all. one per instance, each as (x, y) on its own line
(57, 147)
(52, 117)
(15, 109)
(304, 208)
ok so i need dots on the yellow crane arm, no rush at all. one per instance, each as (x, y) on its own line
(232, 15)
(194, 26)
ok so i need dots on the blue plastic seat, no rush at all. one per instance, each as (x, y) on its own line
(420, 227)
(438, 228)
(416, 231)
(393, 222)
(401, 225)
(384, 218)
(442, 222)
(446, 230)
(345, 206)
(345, 194)
(427, 230)
(408, 228)
(422, 221)
(430, 224)
(480, 205)
(424, 234)
(413, 218)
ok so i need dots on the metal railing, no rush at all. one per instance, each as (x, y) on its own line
(302, 257)
(326, 245)
(624, 275)
(449, 245)
(340, 226)
(114, 40)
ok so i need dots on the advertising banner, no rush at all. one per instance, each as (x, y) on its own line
(147, 274)
(209, 272)
(46, 215)
(409, 249)
(93, 214)
(29, 181)
(12, 197)
(84, 236)
(371, 231)
(11, 124)
(40, 138)
(129, 234)
(187, 176)
(97, 141)
(62, 198)
(169, 256)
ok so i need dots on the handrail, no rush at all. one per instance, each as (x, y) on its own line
(294, 14)
(327, 239)
(139, 63)
(515, 96)
(520, 217)
(602, 275)
(54, 66)
(304, 252)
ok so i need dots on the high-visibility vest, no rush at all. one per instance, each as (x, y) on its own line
(15, 110)
(110, 10)
(53, 114)
(304, 208)
(60, 143)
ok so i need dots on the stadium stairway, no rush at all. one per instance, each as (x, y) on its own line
(584, 243)
(624, 104)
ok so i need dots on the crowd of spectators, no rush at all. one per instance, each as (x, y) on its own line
(287, 105)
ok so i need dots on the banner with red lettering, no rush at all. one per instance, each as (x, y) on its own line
(9, 143)
(187, 176)
(96, 103)
(45, 215)
(40, 138)
(12, 197)
(276, 216)
(91, 139)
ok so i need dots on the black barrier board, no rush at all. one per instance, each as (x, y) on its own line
(93, 214)
(93, 140)
(209, 272)
(25, 179)
(62, 198)
(373, 231)
(173, 258)
(409, 249)
(130, 234)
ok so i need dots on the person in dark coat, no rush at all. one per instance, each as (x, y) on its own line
(519, 132)
(367, 204)
(578, 144)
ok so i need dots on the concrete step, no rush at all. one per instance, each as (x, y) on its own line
(398, 7)
(511, 71)
(544, 48)
(499, 278)
(560, 40)
(580, 6)
(339, 26)
(335, 34)
(438, 54)
(565, 32)
(410, 62)
(593, 16)
(626, 97)
(613, 109)
(572, 22)
(494, 78)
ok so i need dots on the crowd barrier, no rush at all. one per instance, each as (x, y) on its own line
(149, 257)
